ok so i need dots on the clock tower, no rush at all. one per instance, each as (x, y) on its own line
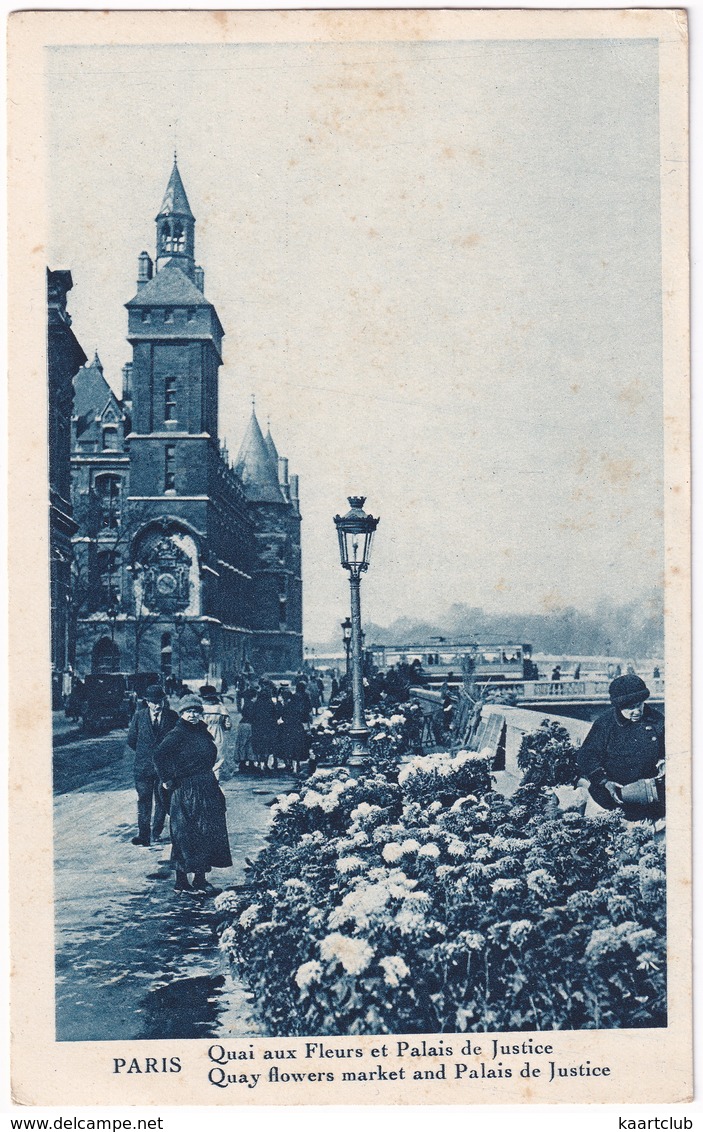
(192, 545)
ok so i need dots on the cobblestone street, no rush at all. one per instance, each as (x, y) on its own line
(133, 959)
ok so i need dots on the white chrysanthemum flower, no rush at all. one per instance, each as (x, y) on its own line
(362, 811)
(294, 882)
(361, 837)
(312, 798)
(410, 845)
(228, 938)
(396, 719)
(248, 916)
(308, 973)
(409, 920)
(349, 864)
(394, 969)
(354, 954)
(429, 850)
(473, 940)
(519, 929)
(456, 848)
(504, 884)
(391, 852)
(444, 870)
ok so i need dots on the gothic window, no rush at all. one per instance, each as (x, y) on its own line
(146, 315)
(108, 569)
(282, 612)
(107, 490)
(111, 440)
(170, 467)
(170, 399)
(166, 236)
(190, 314)
(179, 239)
(168, 315)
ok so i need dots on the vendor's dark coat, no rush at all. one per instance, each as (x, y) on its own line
(616, 750)
(264, 725)
(184, 761)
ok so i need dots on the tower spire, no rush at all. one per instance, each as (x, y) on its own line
(175, 226)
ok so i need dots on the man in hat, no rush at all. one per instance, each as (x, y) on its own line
(148, 727)
(623, 754)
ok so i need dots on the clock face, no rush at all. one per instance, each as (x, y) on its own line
(166, 585)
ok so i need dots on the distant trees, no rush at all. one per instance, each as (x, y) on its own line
(635, 628)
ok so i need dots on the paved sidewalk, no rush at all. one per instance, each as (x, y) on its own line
(134, 959)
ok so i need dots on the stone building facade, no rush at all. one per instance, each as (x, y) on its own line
(204, 571)
(64, 358)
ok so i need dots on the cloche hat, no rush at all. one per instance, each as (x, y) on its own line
(628, 691)
(190, 701)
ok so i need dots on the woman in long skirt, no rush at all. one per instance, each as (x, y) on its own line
(184, 762)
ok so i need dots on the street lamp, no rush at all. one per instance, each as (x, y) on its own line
(355, 532)
(346, 637)
(179, 620)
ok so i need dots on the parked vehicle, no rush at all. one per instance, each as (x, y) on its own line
(111, 698)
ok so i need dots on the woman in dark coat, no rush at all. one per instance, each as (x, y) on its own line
(264, 724)
(184, 762)
(294, 738)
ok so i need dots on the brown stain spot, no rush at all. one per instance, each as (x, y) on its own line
(448, 153)
(292, 162)
(373, 234)
(575, 388)
(221, 17)
(676, 488)
(619, 473)
(632, 396)
(582, 458)
(36, 250)
(469, 241)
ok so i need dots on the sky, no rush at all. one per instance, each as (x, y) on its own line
(438, 270)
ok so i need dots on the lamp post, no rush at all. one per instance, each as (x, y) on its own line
(346, 637)
(355, 532)
(179, 622)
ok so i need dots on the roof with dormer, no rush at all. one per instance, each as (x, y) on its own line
(175, 202)
(256, 468)
(169, 287)
(94, 402)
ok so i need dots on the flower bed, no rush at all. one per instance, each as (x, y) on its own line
(433, 904)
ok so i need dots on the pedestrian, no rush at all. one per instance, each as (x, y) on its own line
(335, 689)
(148, 728)
(304, 702)
(243, 752)
(313, 691)
(577, 672)
(264, 725)
(185, 761)
(293, 736)
(556, 674)
(218, 722)
(623, 754)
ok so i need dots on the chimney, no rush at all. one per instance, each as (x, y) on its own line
(294, 496)
(145, 271)
(199, 276)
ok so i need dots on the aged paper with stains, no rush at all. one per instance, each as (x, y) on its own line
(449, 250)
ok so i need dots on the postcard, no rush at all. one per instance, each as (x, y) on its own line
(349, 557)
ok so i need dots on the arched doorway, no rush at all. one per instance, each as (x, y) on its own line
(106, 656)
